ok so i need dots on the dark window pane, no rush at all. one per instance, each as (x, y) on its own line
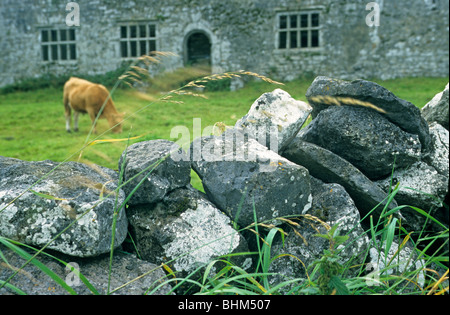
(283, 40)
(54, 34)
(124, 49)
(63, 52)
(142, 31)
(44, 36)
(73, 52)
(54, 52)
(72, 35)
(123, 32)
(304, 38)
(294, 40)
(133, 48)
(315, 20)
(45, 53)
(152, 29)
(314, 38)
(133, 31)
(304, 20)
(143, 45)
(152, 45)
(63, 35)
(283, 21)
(294, 21)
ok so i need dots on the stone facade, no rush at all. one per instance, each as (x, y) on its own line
(279, 38)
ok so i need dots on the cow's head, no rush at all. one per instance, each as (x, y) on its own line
(117, 122)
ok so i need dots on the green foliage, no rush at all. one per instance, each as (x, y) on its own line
(51, 81)
(329, 267)
(217, 86)
(33, 84)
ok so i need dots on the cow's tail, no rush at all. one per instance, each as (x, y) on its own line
(66, 102)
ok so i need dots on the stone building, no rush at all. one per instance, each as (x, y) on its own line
(283, 39)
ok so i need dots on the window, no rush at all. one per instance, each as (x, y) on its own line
(137, 39)
(58, 45)
(298, 30)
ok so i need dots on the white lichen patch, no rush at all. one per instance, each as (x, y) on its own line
(8, 212)
(308, 205)
(200, 236)
(87, 215)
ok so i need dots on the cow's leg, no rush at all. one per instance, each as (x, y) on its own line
(68, 115)
(76, 115)
(67, 110)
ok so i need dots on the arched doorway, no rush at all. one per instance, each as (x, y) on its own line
(197, 49)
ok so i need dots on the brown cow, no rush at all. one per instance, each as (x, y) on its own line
(86, 97)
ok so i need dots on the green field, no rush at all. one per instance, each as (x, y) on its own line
(33, 124)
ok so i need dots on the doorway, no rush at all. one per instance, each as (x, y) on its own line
(197, 49)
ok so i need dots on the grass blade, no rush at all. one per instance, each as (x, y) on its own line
(427, 215)
(38, 264)
(45, 196)
(389, 237)
(95, 142)
(79, 274)
(13, 288)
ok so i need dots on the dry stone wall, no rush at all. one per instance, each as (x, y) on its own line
(70, 207)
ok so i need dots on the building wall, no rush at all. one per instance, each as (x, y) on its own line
(412, 39)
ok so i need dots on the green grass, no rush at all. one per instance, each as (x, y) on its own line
(418, 91)
(33, 122)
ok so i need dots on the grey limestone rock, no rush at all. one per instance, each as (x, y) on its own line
(332, 205)
(331, 168)
(274, 119)
(398, 111)
(34, 209)
(439, 153)
(240, 175)
(421, 186)
(185, 231)
(364, 138)
(437, 110)
(163, 173)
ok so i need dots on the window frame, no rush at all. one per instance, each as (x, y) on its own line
(291, 32)
(132, 41)
(58, 44)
